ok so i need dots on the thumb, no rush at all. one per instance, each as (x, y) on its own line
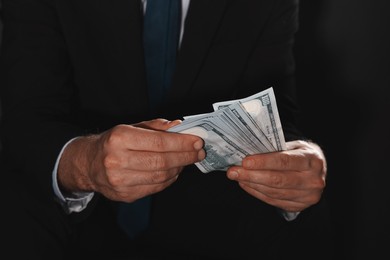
(158, 124)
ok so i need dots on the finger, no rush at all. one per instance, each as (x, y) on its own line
(293, 160)
(152, 161)
(150, 178)
(142, 139)
(272, 179)
(132, 193)
(290, 206)
(174, 123)
(158, 124)
(123, 179)
(299, 196)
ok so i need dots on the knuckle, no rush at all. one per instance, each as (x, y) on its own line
(314, 199)
(251, 178)
(111, 142)
(182, 141)
(114, 180)
(276, 180)
(157, 141)
(116, 133)
(159, 177)
(315, 162)
(121, 196)
(154, 162)
(252, 162)
(282, 195)
(119, 129)
(158, 162)
(284, 161)
(110, 162)
(189, 157)
(276, 194)
(319, 184)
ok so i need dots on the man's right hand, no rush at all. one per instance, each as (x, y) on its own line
(128, 162)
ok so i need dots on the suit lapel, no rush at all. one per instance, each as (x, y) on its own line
(203, 19)
(122, 21)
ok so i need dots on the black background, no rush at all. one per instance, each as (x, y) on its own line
(343, 77)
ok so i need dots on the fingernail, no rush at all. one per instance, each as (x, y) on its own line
(201, 155)
(176, 121)
(248, 163)
(198, 145)
(233, 175)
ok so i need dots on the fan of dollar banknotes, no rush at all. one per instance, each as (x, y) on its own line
(236, 129)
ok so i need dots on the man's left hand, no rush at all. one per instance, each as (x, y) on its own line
(291, 180)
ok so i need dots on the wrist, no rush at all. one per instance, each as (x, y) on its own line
(75, 165)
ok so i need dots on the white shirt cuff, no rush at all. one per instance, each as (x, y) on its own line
(74, 202)
(289, 216)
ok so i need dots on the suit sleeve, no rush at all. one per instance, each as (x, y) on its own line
(36, 90)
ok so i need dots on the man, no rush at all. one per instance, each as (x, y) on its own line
(78, 128)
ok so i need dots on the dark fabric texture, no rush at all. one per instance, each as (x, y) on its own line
(161, 31)
(71, 67)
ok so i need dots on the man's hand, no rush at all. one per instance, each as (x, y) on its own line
(128, 162)
(291, 180)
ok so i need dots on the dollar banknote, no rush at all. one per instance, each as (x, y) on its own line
(263, 109)
(236, 129)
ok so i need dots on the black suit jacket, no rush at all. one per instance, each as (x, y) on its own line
(75, 67)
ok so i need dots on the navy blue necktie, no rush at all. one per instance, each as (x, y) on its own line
(161, 38)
